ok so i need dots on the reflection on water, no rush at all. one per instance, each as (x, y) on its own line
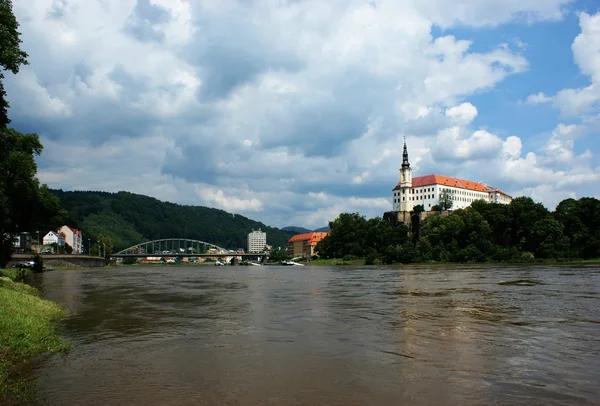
(335, 336)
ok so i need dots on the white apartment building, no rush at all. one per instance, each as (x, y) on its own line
(257, 241)
(427, 190)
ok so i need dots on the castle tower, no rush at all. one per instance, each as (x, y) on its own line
(405, 182)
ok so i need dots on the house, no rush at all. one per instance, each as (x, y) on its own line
(73, 237)
(54, 238)
(303, 245)
(428, 190)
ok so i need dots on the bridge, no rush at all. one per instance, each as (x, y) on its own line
(179, 247)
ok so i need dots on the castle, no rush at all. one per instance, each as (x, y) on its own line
(427, 190)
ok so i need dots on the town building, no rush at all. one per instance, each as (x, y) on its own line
(54, 238)
(73, 237)
(303, 245)
(257, 241)
(428, 190)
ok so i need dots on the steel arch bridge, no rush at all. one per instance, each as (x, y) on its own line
(172, 246)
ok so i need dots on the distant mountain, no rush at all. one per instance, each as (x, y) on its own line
(130, 219)
(323, 229)
(296, 230)
(302, 230)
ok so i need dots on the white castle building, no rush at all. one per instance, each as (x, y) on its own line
(427, 190)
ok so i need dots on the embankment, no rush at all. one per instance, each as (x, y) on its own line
(27, 330)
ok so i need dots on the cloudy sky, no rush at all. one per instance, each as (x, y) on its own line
(292, 111)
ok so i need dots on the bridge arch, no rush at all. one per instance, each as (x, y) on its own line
(167, 246)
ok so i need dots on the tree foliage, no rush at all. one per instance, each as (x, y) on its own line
(103, 247)
(11, 54)
(446, 202)
(521, 231)
(354, 235)
(25, 206)
(279, 254)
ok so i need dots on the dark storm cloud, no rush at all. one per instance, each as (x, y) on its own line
(144, 20)
(132, 86)
(228, 51)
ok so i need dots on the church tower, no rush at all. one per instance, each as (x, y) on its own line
(406, 203)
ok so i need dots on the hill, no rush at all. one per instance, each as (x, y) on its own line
(131, 219)
(296, 230)
(323, 229)
(302, 230)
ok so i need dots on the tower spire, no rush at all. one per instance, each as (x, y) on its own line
(405, 163)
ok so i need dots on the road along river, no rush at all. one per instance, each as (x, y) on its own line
(326, 335)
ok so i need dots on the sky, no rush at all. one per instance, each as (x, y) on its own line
(293, 111)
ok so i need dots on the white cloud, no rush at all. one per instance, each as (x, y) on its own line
(538, 98)
(294, 115)
(463, 114)
(583, 101)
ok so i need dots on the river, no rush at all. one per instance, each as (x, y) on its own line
(326, 335)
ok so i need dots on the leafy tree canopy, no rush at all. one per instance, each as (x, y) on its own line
(11, 54)
(25, 206)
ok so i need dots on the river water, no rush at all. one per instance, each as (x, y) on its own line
(319, 335)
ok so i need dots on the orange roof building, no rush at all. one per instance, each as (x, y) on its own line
(303, 245)
(427, 190)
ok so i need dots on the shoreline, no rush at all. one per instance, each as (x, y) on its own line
(361, 262)
(28, 329)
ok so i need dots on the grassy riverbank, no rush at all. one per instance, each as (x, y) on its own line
(27, 330)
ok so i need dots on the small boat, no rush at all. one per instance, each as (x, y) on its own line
(291, 263)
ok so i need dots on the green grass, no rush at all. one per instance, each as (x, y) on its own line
(27, 329)
(337, 261)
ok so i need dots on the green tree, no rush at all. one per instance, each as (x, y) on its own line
(548, 239)
(419, 208)
(346, 237)
(524, 214)
(24, 205)
(279, 254)
(103, 247)
(581, 222)
(446, 202)
(11, 54)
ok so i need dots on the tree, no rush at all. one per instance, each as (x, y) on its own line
(548, 239)
(279, 254)
(24, 205)
(446, 201)
(346, 237)
(419, 208)
(103, 247)
(11, 54)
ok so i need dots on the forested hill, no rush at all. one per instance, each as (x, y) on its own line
(130, 218)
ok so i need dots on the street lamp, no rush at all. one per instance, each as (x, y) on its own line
(89, 251)
(38, 241)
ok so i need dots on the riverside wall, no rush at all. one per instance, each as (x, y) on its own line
(87, 261)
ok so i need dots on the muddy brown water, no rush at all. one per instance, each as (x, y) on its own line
(326, 335)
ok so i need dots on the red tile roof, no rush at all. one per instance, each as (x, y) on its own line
(313, 237)
(449, 181)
